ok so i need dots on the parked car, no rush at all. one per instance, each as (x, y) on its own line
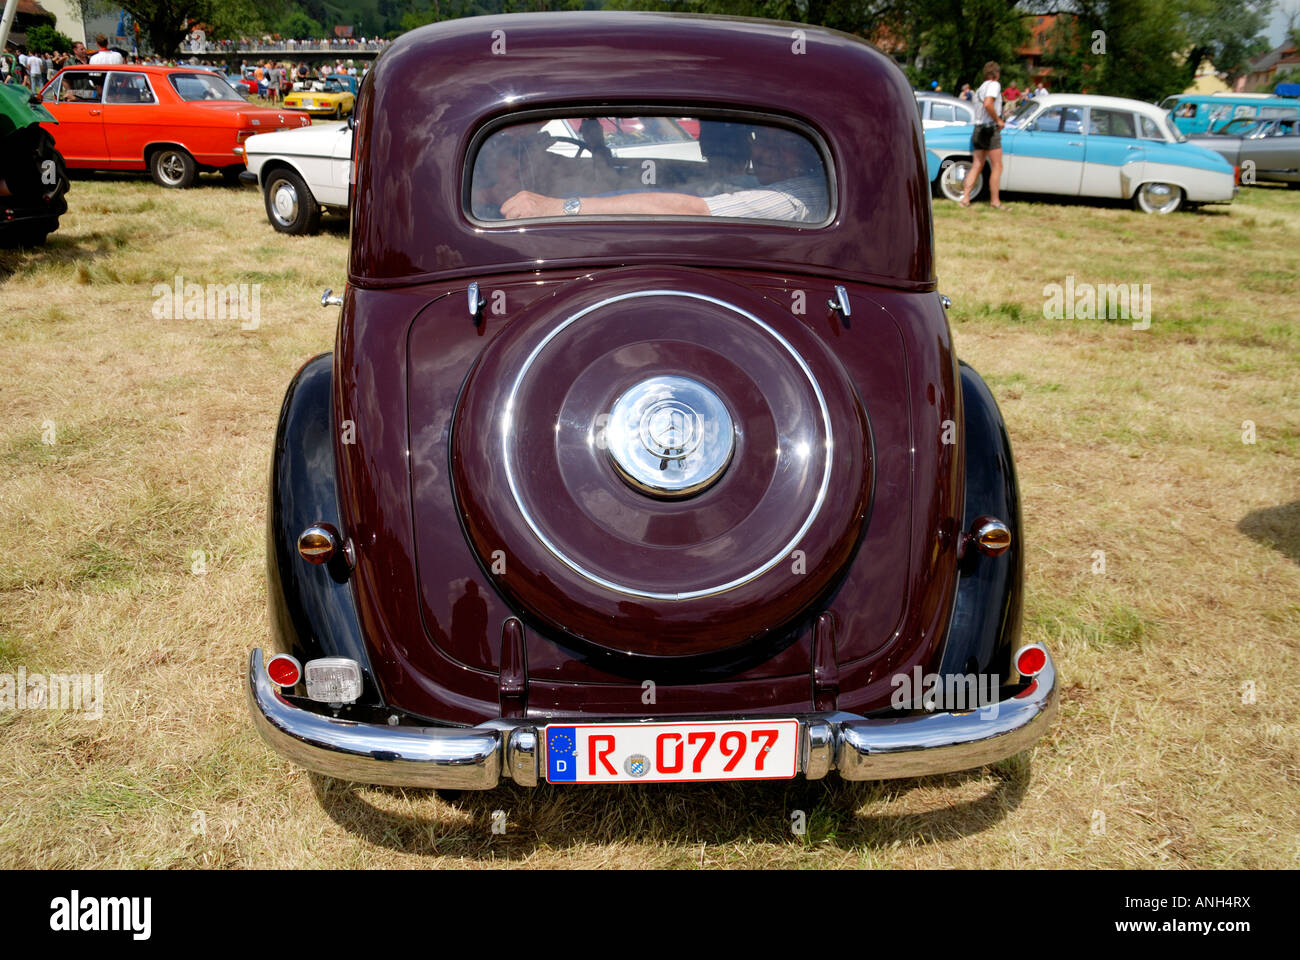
(33, 180)
(943, 110)
(174, 122)
(647, 469)
(325, 98)
(1193, 113)
(1080, 145)
(301, 173)
(1263, 151)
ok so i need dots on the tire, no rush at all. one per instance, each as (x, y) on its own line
(173, 168)
(1158, 198)
(38, 183)
(338, 112)
(290, 205)
(952, 175)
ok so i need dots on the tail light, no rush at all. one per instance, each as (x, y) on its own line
(284, 670)
(1031, 659)
(242, 135)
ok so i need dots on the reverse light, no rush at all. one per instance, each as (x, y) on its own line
(1031, 659)
(284, 670)
(334, 680)
(318, 543)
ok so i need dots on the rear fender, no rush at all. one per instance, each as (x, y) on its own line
(985, 627)
(313, 613)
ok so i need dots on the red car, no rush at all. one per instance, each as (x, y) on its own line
(642, 456)
(174, 122)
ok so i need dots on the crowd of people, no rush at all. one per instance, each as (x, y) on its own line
(1011, 96)
(34, 68)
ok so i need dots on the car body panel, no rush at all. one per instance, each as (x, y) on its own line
(321, 154)
(116, 135)
(1092, 163)
(1272, 147)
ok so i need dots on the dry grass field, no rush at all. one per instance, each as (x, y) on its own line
(132, 546)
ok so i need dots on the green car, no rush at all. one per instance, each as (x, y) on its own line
(33, 180)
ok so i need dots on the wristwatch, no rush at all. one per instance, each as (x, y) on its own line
(572, 206)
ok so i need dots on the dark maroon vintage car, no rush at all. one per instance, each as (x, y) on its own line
(643, 453)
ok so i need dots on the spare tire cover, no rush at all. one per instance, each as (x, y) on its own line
(565, 510)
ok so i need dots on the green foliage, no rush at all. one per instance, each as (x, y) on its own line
(43, 39)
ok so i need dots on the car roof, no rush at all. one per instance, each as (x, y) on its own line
(1096, 100)
(136, 67)
(435, 89)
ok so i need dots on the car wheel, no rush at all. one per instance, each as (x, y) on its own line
(1158, 198)
(952, 179)
(173, 167)
(290, 206)
(338, 112)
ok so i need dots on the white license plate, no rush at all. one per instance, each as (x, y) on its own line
(309, 103)
(662, 752)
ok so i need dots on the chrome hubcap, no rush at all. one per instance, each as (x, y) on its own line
(954, 180)
(1159, 196)
(670, 436)
(284, 200)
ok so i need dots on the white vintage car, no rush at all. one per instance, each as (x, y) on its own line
(1088, 146)
(300, 173)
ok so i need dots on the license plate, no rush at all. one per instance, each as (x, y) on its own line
(663, 752)
(309, 103)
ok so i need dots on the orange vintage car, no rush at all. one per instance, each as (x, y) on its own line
(174, 122)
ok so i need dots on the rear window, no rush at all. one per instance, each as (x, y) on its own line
(639, 167)
(202, 86)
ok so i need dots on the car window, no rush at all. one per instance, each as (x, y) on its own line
(82, 86)
(1283, 128)
(1021, 114)
(1060, 120)
(202, 86)
(1150, 129)
(942, 111)
(648, 166)
(128, 87)
(1111, 123)
(1275, 112)
(1243, 110)
(964, 114)
(1186, 110)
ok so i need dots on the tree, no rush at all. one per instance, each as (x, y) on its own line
(45, 39)
(1227, 32)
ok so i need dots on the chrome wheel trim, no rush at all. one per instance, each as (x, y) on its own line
(1160, 197)
(284, 202)
(669, 436)
(507, 431)
(952, 180)
(171, 166)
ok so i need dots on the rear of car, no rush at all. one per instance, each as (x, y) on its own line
(644, 454)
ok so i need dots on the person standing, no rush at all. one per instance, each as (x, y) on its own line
(103, 54)
(79, 52)
(986, 141)
(35, 69)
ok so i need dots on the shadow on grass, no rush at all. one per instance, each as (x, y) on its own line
(1275, 527)
(682, 817)
(58, 250)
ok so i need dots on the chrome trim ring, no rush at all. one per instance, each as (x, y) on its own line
(1160, 197)
(507, 431)
(171, 167)
(669, 436)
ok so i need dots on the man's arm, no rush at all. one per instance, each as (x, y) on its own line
(992, 111)
(526, 204)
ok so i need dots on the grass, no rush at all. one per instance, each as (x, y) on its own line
(1163, 562)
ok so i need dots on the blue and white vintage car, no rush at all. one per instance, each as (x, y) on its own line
(1080, 145)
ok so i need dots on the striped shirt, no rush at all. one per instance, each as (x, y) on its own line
(800, 198)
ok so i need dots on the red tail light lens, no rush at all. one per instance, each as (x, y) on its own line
(283, 670)
(1030, 660)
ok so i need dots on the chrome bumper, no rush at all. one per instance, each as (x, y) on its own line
(479, 758)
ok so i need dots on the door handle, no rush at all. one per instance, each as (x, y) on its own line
(1074, 143)
(1132, 147)
(94, 113)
